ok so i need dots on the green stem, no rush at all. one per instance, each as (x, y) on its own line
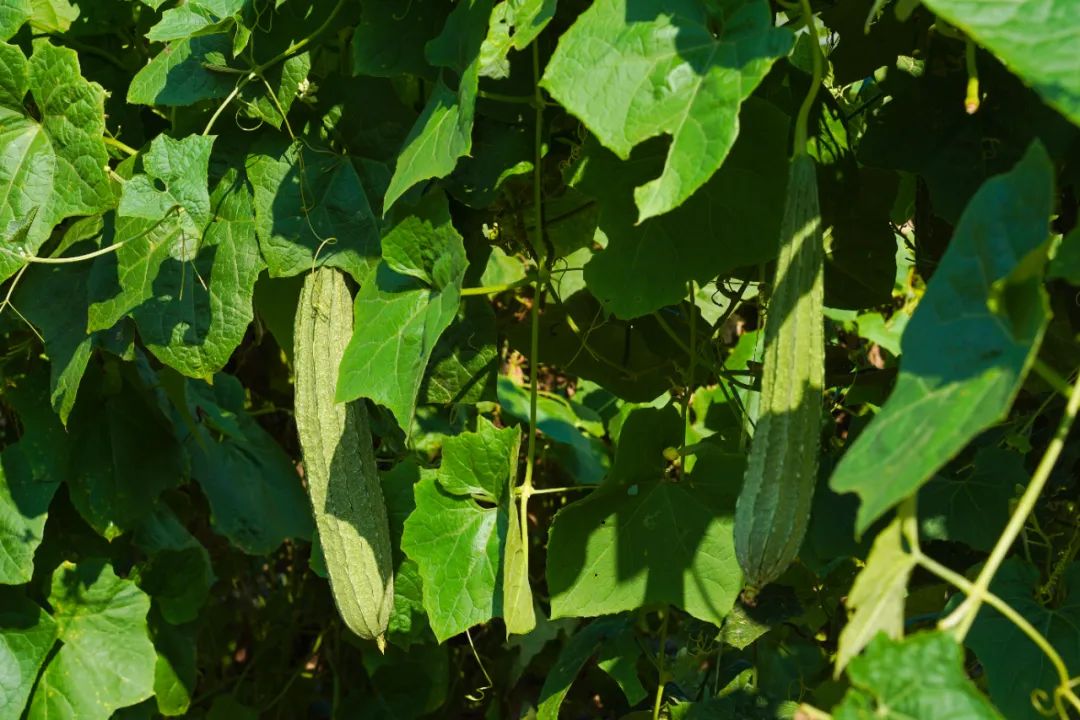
(1052, 378)
(553, 491)
(963, 616)
(970, 589)
(495, 289)
(225, 103)
(802, 119)
(971, 101)
(109, 140)
(96, 253)
(526, 489)
(661, 655)
(690, 369)
(503, 97)
(258, 70)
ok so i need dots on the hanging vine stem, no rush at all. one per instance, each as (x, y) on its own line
(690, 367)
(818, 73)
(256, 72)
(661, 655)
(525, 491)
(961, 619)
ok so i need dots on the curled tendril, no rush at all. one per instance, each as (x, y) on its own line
(1041, 700)
(479, 693)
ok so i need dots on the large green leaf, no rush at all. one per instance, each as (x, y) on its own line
(24, 504)
(27, 633)
(106, 660)
(55, 299)
(390, 38)
(443, 132)
(255, 494)
(920, 678)
(402, 309)
(1036, 39)
(310, 208)
(635, 70)
(1016, 667)
(183, 73)
(125, 453)
(647, 537)
(730, 222)
(458, 533)
(188, 266)
(198, 17)
(13, 13)
(177, 573)
(573, 657)
(52, 161)
(973, 508)
(968, 345)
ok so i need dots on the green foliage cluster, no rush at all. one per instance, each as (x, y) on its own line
(559, 225)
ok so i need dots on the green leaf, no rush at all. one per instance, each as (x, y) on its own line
(53, 16)
(403, 308)
(177, 573)
(975, 508)
(13, 13)
(968, 345)
(197, 17)
(175, 671)
(573, 657)
(125, 453)
(876, 600)
(584, 456)
(458, 533)
(106, 660)
(255, 495)
(53, 162)
(1015, 667)
(310, 208)
(514, 25)
(644, 538)
(618, 657)
(730, 222)
(27, 633)
(1017, 33)
(172, 190)
(884, 677)
(186, 276)
(682, 68)
(443, 132)
(390, 39)
(24, 505)
(181, 74)
(55, 299)
(464, 364)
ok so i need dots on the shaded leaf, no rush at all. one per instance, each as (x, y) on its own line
(1016, 33)
(634, 70)
(966, 348)
(729, 222)
(644, 538)
(1016, 667)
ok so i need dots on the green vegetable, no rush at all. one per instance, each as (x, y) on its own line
(774, 505)
(339, 462)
